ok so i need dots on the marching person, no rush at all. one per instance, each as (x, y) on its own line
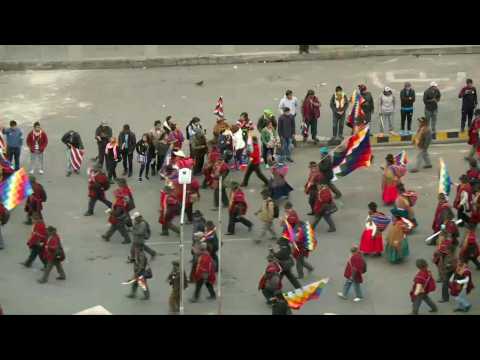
(300, 254)
(198, 150)
(405, 203)
(4, 217)
(72, 139)
(238, 209)
(431, 97)
(473, 137)
(53, 254)
(118, 219)
(271, 281)
(355, 268)
(284, 257)
(339, 105)
(169, 209)
(371, 241)
(97, 185)
(174, 281)
(266, 214)
(326, 168)
(278, 185)
(392, 176)
(311, 186)
(14, 137)
(141, 233)
(443, 214)
(470, 250)
(219, 169)
(463, 200)
(444, 258)
(280, 305)
(324, 206)
(468, 94)
(145, 154)
(286, 132)
(254, 165)
(422, 141)
(36, 242)
(127, 142)
(407, 99)
(37, 142)
(461, 285)
(141, 273)
(34, 203)
(387, 110)
(211, 239)
(204, 274)
(423, 284)
(103, 135)
(396, 243)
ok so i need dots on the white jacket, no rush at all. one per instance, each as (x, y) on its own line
(291, 104)
(238, 142)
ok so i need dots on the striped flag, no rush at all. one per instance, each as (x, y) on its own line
(381, 221)
(219, 108)
(357, 101)
(401, 158)
(358, 153)
(444, 180)
(76, 157)
(298, 297)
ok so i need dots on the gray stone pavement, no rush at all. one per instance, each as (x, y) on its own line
(63, 100)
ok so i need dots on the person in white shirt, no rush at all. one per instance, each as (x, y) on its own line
(238, 144)
(291, 102)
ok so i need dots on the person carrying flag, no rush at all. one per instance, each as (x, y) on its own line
(74, 143)
(368, 105)
(34, 202)
(271, 280)
(141, 272)
(463, 200)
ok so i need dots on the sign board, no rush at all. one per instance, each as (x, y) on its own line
(184, 176)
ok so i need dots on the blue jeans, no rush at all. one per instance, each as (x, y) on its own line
(461, 300)
(14, 154)
(431, 116)
(356, 287)
(286, 143)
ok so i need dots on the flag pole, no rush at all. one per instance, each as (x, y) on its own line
(219, 286)
(182, 262)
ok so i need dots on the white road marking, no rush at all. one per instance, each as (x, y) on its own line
(95, 310)
(422, 77)
(461, 76)
(390, 61)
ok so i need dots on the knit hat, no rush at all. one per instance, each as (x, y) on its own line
(268, 113)
(324, 150)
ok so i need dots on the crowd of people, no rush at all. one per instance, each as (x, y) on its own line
(266, 151)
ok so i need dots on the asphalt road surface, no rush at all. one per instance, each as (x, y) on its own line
(64, 100)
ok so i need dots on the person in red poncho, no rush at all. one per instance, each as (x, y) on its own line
(461, 285)
(311, 113)
(473, 137)
(204, 274)
(271, 280)
(470, 250)
(356, 266)
(443, 215)
(169, 209)
(36, 242)
(254, 164)
(54, 255)
(237, 210)
(192, 196)
(311, 186)
(37, 142)
(217, 170)
(324, 206)
(97, 185)
(300, 254)
(34, 202)
(463, 200)
(118, 220)
(423, 284)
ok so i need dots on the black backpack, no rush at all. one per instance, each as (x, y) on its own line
(5, 217)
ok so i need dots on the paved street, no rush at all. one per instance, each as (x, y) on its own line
(64, 100)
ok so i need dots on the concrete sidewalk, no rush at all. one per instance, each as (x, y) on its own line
(45, 57)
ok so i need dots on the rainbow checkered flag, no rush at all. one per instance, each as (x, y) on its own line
(444, 180)
(298, 297)
(219, 107)
(15, 189)
(401, 158)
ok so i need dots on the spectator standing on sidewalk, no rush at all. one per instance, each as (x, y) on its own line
(387, 110)
(339, 106)
(37, 142)
(127, 142)
(407, 99)
(14, 137)
(431, 97)
(311, 113)
(103, 134)
(291, 102)
(468, 94)
(286, 132)
(368, 106)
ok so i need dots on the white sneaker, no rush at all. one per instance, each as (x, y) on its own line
(31, 172)
(41, 172)
(341, 295)
(357, 299)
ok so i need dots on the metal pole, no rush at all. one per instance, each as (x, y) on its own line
(219, 286)
(182, 264)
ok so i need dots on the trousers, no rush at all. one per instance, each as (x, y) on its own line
(267, 227)
(101, 152)
(58, 265)
(236, 217)
(301, 263)
(224, 197)
(198, 288)
(387, 119)
(127, 162)
(418, 301)
(328, 219)
(13, 154)
(35, 160)
(93, 201)
(35, 250)
(356, 287)
(422, 155)
(169, 226)
(312, 126)
(121, 229)
(467, 116)
(256, 169)
(406, 116)
(338, 123)
(293, 280)
(431, 116)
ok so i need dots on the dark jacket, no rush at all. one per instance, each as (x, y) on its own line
(430, 98)
(326, 166)
(405, 102)
(140, 263)
(280, 307)
(263, 122)
(132, 141)
(199, 146)
(286, 126)
(469, 98)
(105, 132)
(334, 107)
(145, 149)
(161, 148)
(73, 138)
(368, 105)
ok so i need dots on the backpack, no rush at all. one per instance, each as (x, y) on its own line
(5, 217)
(276, 210)
(43, 194)
(148, 232)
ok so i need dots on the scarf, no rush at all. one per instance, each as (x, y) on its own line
(339, 100)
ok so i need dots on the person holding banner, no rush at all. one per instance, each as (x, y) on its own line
(74, 144)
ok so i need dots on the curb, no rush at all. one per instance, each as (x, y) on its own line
(288, 56)
(441, 137)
